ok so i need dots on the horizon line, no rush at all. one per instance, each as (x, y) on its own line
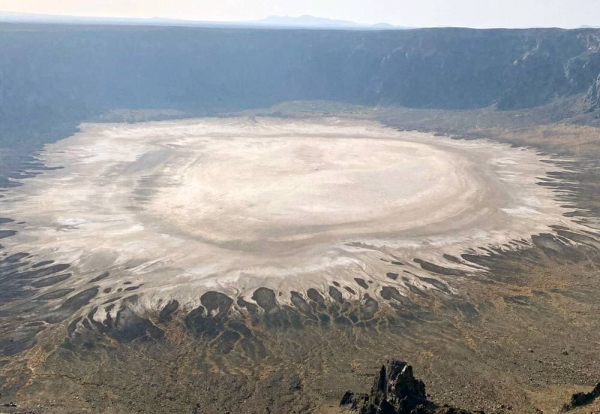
(340, 24)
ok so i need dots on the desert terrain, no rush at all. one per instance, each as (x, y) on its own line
(274, 250)
(218, 220)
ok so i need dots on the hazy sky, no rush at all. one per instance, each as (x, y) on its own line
(473, 13)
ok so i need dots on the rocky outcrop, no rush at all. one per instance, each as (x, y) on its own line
(582, 398)
(593, 95)
(396, 391)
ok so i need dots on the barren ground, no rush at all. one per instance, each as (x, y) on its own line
(260, 264)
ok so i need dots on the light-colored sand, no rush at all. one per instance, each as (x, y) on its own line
(233, 204)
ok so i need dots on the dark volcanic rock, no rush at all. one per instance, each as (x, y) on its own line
(85, 333)
(130, 327)
(167, 312)
(350, 290)
(395, 391)
(336, 294)
(208, 320)
(582, 398)
(44, 263)
(361, 283)
(300, 303)
(13, 258)
(18, 341)
(7, 233)
(216, 301)
(250, 307)
(315, 296)
(45, 271)
(52, 280)
(265, 298)
(430, 267)
(55, 294)
(71, 305)
(99, 278)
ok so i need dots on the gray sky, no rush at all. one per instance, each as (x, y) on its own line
(472, 13)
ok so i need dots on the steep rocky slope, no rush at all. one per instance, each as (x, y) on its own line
(54, 73)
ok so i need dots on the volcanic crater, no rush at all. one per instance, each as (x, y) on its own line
(175, 209)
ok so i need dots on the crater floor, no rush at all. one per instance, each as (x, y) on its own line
(173, 209)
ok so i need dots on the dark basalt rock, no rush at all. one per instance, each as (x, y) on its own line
(195, 321)
(13, 258)
(350, 290)
(250, 307)
(342, 320)
(166, 313)
(7, 268)
(582, 398)
(434, 282)
(361, 283)
(55, 294)
(52, 280)
(129, 327)
(265, 298)
(300, 303)
(555, 247)
(396, 391)
(44, 271)
(19, 340)
(7, 233)
(41, 264)
(336, 294)
(215, 301)
(315, 296)
(71, 305)
(433, 268)
(390, 292)
(99, 278)
(211, 318)
(226, 341)
(73, 326)
(354, 401)
(208, 320)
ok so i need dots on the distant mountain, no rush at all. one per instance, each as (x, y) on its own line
(306, 21)
(388, 26)
(320, 23)
(302, 22)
